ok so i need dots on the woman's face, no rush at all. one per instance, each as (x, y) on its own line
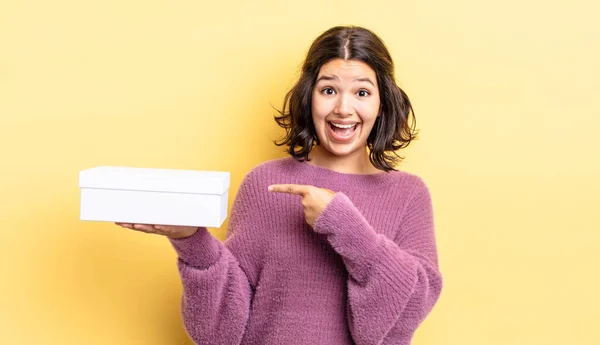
(345, 105)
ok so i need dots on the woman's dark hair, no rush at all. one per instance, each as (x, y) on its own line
(391, 131)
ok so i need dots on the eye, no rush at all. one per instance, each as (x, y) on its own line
(363, 93)
(328, 91)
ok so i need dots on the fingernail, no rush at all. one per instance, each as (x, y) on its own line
(270, 189)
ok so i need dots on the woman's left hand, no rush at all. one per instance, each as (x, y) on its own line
(314, 199)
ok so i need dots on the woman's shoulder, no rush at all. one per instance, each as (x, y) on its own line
(408, 182)
(275, 164)
(265, 170)
(409, 177)
(272, 166)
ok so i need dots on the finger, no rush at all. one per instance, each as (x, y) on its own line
(125, 225)
(290, 188)
(162, 229)
(144, 228)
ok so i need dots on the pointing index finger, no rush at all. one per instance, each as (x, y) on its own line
(289, 188)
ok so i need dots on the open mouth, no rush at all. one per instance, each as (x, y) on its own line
(342, 132)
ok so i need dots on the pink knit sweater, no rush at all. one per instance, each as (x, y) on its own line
(367, 273)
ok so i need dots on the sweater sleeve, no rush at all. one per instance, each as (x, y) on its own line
(216, 299)
(393, 284)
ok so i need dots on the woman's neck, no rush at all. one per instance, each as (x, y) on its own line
(355, 163)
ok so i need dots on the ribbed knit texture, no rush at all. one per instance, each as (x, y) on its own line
(366, 274)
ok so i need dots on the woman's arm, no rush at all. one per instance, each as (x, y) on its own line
(392, 284)
(216, 290)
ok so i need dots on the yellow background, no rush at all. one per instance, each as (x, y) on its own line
(506, 97)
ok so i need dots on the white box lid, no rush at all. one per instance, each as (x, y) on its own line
(152, 179)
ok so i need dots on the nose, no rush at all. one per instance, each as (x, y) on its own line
(343, 106)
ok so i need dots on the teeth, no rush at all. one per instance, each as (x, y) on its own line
(343, 126)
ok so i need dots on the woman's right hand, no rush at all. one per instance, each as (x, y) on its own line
(174, 232)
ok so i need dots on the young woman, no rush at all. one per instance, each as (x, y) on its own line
(331, 245)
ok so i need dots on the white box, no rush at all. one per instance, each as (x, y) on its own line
(154, 196)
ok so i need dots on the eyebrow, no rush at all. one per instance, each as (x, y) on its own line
(333, 77)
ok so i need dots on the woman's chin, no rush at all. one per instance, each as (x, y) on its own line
(339, 150)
